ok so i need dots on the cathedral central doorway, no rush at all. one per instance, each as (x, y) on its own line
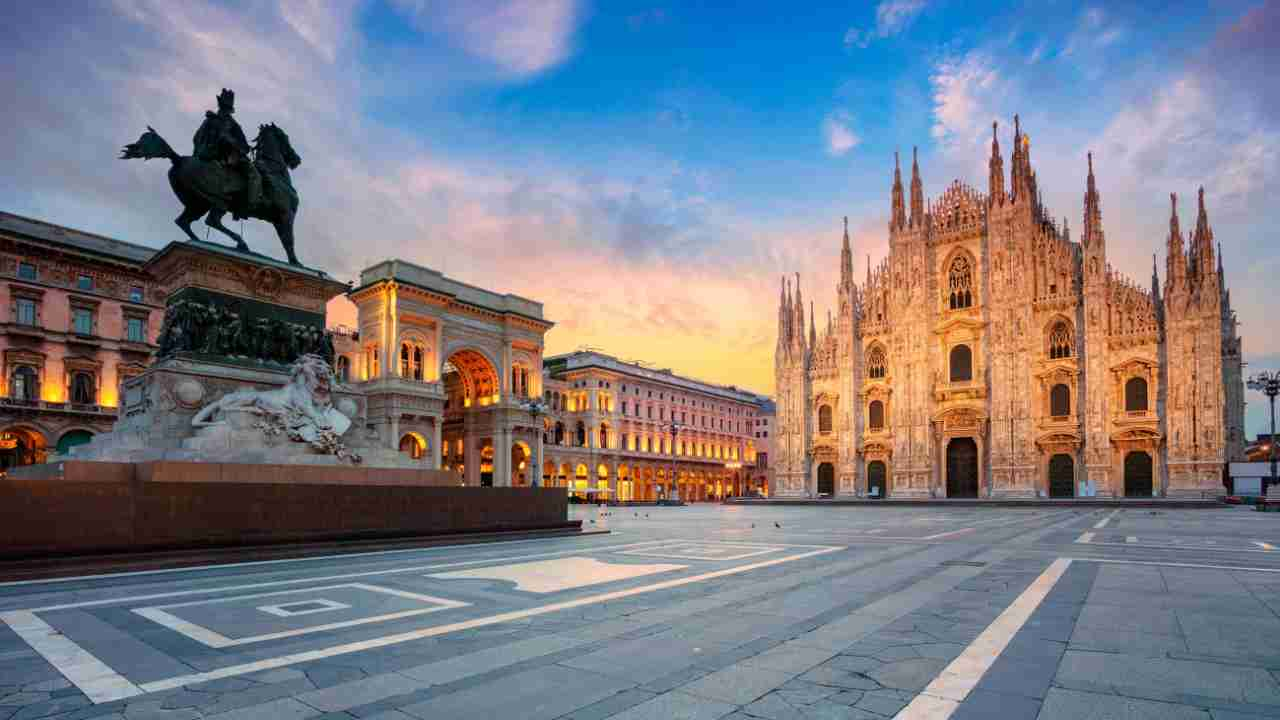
(1062, 476)
(826, 479)
(962, 468)
(875, 479)
(1137, 474)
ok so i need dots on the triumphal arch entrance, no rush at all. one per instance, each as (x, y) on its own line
(449, 370)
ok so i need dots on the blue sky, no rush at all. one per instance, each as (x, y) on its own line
(648, 170)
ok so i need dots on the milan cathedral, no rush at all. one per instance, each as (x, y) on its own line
(990, 355)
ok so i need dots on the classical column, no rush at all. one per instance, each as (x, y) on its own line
(535, 477)
(395, 432)
(436, 439)
(471, 456)
(502, 458)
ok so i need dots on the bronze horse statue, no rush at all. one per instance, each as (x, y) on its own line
(212, 187)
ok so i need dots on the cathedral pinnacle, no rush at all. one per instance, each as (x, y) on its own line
(917, 192)
(899, 212)
(846, 258)
(813, 335)
(1092, 210)
(995, 182)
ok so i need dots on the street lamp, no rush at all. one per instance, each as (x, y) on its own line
(675, 429)
(537, 408)
(1268, 383)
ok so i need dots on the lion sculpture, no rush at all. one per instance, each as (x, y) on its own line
(302, 409)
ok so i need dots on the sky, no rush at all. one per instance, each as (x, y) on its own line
(649, 170)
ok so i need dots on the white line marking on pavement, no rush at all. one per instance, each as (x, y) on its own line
(344, 649)
(1173, 564)
(1085, 538)
(943, 696)
(251, 563)
(1264, 546)
(1131, 539)
(216, 640)
(1106, 520)
(94, 678)
(344, 576)
(1181, 546)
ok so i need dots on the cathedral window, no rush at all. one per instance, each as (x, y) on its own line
(824, 419)
(875, 362)
(960, 283)
(875, 415)
(961, 363)
(1135, 395)
(1060, 401)
(1060, 344)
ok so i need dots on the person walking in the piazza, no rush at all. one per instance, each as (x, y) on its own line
(220, 139)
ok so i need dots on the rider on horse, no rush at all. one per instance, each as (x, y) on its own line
(221, 140)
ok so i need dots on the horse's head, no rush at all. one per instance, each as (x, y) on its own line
(272, 139)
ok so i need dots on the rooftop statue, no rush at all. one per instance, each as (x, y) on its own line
(226, 174)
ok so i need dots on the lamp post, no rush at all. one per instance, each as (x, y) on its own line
(1268, 383)
(675, 429)
(537, 408)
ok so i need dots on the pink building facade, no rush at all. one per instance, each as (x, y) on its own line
(77, 318)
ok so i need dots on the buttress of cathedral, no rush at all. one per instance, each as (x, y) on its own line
(991, 355)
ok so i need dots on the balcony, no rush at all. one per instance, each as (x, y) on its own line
(51, 406)
(25, 330)
(88, 341)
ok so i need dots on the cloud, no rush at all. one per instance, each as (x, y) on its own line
(892, 17)
(521, 37)
(1092, 32)
(840, 138)
(964, 90)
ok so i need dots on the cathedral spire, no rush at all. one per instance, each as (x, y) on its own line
(797, 325)
(846, 259)
(813, 335)
(917, 192)
(1155, 278)
(898, 219)
(1175, 260)
(1202, 242)
(784, 315)
(995, 182)
(1092, 210)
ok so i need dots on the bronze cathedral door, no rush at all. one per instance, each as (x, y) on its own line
(1062, 476)
(962, 468)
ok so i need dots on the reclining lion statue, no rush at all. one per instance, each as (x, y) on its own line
(302, 409)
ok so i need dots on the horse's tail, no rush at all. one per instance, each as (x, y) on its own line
(148, 147)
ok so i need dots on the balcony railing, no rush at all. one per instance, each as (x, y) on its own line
(56, 406)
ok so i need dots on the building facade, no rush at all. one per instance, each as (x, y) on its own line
(762, 433)
(79, 318)
(991, 355)
(632, 433)
(448, 370)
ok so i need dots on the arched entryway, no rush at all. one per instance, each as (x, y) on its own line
(876, 486)
(1137, 474)
(72, 438)
(826, 479)
(412, 444)
(21, 446)
(962, 468)
(1062, 476)
(521, 461)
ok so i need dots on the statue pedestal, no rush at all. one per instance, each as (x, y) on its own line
(233, 322)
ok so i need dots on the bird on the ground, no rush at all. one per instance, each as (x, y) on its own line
(777, 526)
(753, 525)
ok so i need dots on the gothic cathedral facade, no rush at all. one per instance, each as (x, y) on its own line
(990, 355)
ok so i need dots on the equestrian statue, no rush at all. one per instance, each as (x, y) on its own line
(225, 174)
